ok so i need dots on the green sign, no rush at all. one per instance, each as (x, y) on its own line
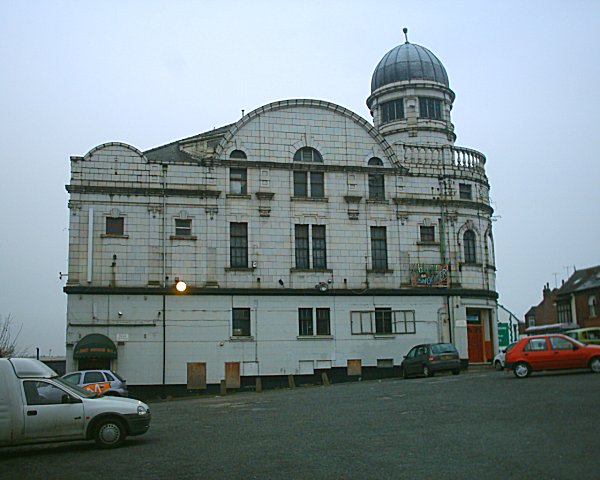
(503, 340)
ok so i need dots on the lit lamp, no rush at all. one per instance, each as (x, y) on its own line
(180, 285)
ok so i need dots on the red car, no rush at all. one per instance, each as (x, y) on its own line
(551, 352)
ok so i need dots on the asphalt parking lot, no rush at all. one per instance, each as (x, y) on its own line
(480, 424)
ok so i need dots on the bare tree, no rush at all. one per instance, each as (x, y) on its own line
(8, 339)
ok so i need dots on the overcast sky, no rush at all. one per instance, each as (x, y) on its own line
(78, 74)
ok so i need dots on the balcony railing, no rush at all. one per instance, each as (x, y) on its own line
(459, 157)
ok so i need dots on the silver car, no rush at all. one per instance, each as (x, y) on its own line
(102, 382)
(499, 359)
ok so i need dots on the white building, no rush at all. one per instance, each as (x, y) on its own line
(308, 238)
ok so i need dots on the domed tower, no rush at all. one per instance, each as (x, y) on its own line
(411, 99)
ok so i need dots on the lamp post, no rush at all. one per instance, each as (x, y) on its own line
(180, 287)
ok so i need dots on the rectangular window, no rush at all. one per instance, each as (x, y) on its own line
(238, 181)
(241, 322)
(115, 225)
(315, 188)
(239, 245)
(563, 311)
(317, 184)
(305, 321)
(302, 246)
(379, 248)
(300, 184)
(383, 320)
(306, 325)
(430, 108)
(319, 250)
(323, 322)
(427, 233)
(183, 227)
(465, 191)
(376, 186)
(392, 110)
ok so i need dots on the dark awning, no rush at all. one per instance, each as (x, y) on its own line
(95, 345)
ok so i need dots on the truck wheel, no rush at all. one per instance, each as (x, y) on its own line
(110, 433)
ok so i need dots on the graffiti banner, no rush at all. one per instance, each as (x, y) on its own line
(429, 275)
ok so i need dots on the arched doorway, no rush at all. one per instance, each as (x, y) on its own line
(94, 351)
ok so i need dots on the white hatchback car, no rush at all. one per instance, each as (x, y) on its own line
(102, 382)
(499, 359)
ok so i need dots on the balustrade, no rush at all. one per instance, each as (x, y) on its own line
(459, 157)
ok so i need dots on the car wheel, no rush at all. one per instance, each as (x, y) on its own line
(498, 366)
(456, 372)
(427, 371)
(595, 364)
(109, 433)
(522, 370)
(404, 373)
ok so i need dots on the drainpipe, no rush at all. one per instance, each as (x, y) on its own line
(164, 274)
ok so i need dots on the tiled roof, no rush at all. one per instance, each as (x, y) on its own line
(173, 152)
(585, 279)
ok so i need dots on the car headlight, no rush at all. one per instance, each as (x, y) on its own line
(141, 410)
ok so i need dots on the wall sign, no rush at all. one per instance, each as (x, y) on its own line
(429, 275)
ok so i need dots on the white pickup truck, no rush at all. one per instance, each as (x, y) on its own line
(37, 406)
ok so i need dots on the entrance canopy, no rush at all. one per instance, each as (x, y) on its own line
(95, 345)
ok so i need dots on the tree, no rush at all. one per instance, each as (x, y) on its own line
(8, 339)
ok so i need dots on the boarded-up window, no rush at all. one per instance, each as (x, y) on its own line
(232, 375)
(196, 376)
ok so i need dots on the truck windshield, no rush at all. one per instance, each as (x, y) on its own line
(80, 391)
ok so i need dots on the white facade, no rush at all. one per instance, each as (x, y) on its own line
(268, 235)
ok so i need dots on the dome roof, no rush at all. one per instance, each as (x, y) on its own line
(408, 62)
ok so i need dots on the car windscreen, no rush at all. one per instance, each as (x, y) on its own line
(118, 376)
(78, 390)
(443, 348)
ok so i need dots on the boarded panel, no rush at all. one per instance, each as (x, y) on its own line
(196, 376)
(232, 374)
(385, 363)
(323, 364)
(306, 367)
(354, 367)
(250, 369)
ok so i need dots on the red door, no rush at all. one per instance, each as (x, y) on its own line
(475, 336)
(475, 341)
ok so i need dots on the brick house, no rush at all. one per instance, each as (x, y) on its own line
(578, 299)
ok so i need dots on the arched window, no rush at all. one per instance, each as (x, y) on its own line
(469, 246)
(308, 154)
(376, 180)
(238, 154)
(490, 249)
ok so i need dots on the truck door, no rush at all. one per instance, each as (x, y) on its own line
(46, 417)
(6, 412)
